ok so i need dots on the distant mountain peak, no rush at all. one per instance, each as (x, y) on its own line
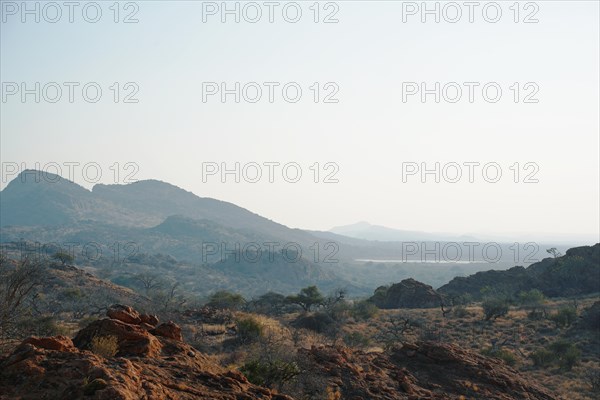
(366, 231)
(34, 176)
(357, 225)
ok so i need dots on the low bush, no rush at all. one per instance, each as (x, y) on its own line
(566, 353)
(461, 312)
(542, 357)
(507, 356)
(356, 339)
(270, 373)
(105, 346)
(249, 329)
(318, 322)
(494, 308)
(563, 352)
(41, 326)
(564, 317)
(364, 310)
(226, 300)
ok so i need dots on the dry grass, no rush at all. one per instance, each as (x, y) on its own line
(105, 346)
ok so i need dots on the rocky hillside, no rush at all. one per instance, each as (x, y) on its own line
(422, 371)
(150, 361)
(575, 273)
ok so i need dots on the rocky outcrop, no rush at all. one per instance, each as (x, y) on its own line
(421, 371)
(407, 294)
(124, 313)
(169, 330)
(152, 362)
(576, 273)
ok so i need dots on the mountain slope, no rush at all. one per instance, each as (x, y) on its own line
(575, 273)
(36, 198)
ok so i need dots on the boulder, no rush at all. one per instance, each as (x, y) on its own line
(124, 314)
(151, 320)
(409, 293)
(169, 330)
(60, 343)
(132, 340)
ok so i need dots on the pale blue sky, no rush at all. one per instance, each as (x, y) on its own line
(369, 133)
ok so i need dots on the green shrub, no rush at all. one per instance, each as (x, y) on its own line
(356, 339)
(494, 308)
(225, 299)
(566, 352)
(249, 329)
(542, 357)
(364, 310)
(462, 300)
(89, 389)
(84, 322)
(504, 355)
(41, 326)
(533, 298)
(460, 312)
(270, 373)
(564, 317)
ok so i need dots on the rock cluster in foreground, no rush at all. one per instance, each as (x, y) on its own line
(152, 362)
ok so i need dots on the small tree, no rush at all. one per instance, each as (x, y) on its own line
(226, 299)
(249, 330)
(308, 298)
(532, 301)
(148, 281)
(494, 308)
(394, 330)
(554, 252)
(270, 303)
(63, 257)
(170, 298)
(270, 373)
(18, 284)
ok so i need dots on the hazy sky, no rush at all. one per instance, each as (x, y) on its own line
(366, 58)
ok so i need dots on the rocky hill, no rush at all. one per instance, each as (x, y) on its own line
(66, 289)
(575, 273)
(408, 293)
